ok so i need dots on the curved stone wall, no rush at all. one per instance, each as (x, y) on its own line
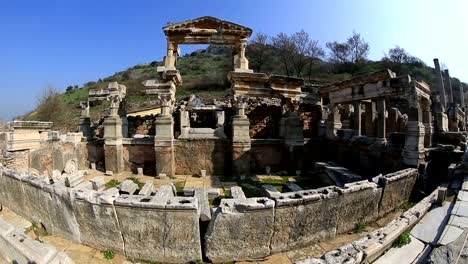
(165, 228)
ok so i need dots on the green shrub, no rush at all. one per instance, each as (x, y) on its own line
(108, 254)
(359, 228)
(402, 240)
(112, 183)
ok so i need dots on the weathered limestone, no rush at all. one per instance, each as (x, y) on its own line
(440, 85)
(159, 228)
(228, 230)
(97, 220)
(333, 122)
(241, 143)
(381, 126)
(74, 179)
(203, 204)
(237, 193)
(98, 183)
(17, 247)
(397, 189)
(357, 118)
(147, 189)
(164, 140)
(128, 186)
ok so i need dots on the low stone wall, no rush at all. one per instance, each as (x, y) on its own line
(17, 247)
(105, 220)
(166, 228)
(248, 229)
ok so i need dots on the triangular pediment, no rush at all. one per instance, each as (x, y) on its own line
(207, 25)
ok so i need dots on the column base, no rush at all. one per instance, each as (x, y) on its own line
(113, 158)
(165, 159)
(241, 159)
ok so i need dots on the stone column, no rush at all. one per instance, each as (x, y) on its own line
(333, 122)
(293, 133)
(381, 111)
(241, 143)
(370, 117)
(357, 118)
(427, 122)
(241, 63)
(440, 85)
(448, 86)
(164, 140)
(413, 151)
(85, 120)
(462, 96)
(113, 138)
(170, 60)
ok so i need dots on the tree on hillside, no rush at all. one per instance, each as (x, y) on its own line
(358, 47)
(50, 106)
(349, 55)
(284, 47)
(400, 61)
(257, 51)
(296, 52)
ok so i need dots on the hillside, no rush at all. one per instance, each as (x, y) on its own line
(204, 73)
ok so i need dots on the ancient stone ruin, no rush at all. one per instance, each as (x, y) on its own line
(351, 153)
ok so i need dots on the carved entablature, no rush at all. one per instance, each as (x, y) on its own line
(206, 30)
(380, 84)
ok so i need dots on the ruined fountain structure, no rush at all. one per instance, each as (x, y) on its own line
(371, 136)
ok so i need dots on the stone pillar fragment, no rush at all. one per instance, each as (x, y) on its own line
(413, 151)
(113, 143)
(241, 143)
(164, 141)
(427, 122)
(357, 118)
(333, 121)
(381, 111)
(370, 117)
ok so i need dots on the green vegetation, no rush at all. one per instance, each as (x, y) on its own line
(180, 187)
(108, 254)
(359, 228)
(112, 183)
(136, 181)
(37, 230)
(204, 72)
(402, 240)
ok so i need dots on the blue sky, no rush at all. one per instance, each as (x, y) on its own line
(61, 43)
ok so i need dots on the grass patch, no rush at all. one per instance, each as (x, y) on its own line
(108, 254)
(112, 183)
(180, 187)
(359, 228)
(402, 240)
(136, 181)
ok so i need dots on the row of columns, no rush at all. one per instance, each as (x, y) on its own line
(419, 127)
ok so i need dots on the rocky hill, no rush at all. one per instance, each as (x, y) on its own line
(203, 72)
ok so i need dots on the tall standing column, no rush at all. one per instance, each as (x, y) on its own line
(370, 117)
(381, 110)
(357, 118)
(462, 95)
(448, 86)
(293, 136)
(241, 143)
(113, 138)
(440, 85)
(164, 140)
